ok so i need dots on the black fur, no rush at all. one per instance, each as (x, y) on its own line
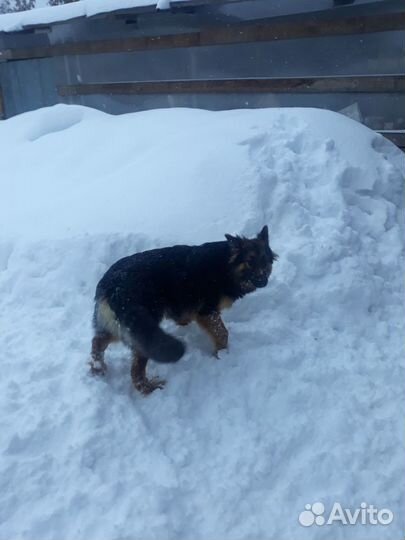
(181, 282)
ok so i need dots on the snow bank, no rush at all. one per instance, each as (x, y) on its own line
(307, 405)
(12, 22)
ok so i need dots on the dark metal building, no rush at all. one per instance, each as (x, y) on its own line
(344, 55)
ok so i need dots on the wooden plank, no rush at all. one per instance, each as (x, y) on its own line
(222, 35)
(175, 5)
(372, 84)
(185, 3)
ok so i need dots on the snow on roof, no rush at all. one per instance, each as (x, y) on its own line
(12, 22)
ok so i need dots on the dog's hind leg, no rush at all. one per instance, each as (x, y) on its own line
(98, 346)
(138, 373)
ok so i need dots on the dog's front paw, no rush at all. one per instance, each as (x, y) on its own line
(97, 367)
(219, 353)
(147, 386)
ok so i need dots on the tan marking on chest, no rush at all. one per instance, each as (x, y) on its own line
(225, 303)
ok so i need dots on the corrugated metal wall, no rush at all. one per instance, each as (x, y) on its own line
(29, 84)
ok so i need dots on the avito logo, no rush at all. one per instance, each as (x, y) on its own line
(366, 514)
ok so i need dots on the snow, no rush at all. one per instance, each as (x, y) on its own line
(12, 22)
(307, 405)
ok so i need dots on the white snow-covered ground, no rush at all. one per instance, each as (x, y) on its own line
(308, 404)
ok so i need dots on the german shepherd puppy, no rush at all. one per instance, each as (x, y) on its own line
(182, 283)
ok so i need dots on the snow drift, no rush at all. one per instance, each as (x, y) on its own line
(307, 405)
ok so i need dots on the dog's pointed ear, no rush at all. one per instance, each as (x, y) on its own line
(264, 235)
(235, 243)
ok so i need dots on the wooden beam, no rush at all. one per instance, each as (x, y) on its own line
(221, 35)
(175, 5)
(185, 3)
(372, 84)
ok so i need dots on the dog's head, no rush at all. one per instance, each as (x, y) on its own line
(251, 260)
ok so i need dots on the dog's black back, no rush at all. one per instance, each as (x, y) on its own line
(174, 279)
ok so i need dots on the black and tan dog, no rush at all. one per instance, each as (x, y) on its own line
(182, 283)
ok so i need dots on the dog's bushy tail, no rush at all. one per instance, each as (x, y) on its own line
(138, 328)
(160, 346)
(152, 341)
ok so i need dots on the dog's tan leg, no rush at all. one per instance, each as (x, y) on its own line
(98, 346)
(138, 373)
(215, 328)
